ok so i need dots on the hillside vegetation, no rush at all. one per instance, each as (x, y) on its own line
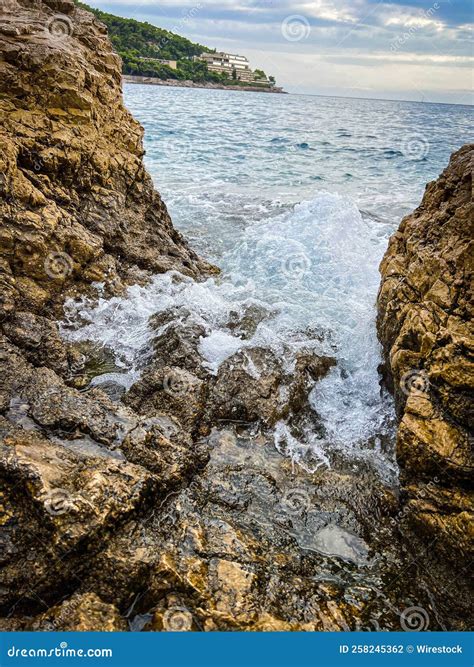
(135, 41)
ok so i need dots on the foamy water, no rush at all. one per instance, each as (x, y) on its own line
(272, 190)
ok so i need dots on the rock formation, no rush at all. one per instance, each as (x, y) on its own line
(77, 205)
(425, 325)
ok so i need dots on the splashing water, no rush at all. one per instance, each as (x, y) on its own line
(314, 272)
(311, 267)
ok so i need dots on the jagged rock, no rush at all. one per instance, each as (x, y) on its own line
(171, 390)
(252, 385)
(425, 326)
(61, 499)
(178, 341)
(249, 386)
(112, 511)
(160, 445)
(77, 204)
(309, 368)
(73, 466)
(174, 382)
(80, 613)
(50, 404)
(39, 339)
(92, 488)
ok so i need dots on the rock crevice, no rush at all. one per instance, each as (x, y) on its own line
(168, 507)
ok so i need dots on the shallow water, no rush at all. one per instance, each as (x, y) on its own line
(294, 197)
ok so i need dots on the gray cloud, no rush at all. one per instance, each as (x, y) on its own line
(386, 48)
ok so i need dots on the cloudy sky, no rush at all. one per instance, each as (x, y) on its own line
(414, 49)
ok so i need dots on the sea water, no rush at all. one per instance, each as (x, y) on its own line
(294, 198)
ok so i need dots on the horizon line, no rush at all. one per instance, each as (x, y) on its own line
(382, 99)
(340, 97)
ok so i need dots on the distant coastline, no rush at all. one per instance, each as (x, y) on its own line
(150, 80)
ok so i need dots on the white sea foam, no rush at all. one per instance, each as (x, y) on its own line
(315, 270)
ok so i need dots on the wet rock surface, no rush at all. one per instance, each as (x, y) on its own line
(80, 613)
(134, 521)
(174, 511)
(250, 544)
(251, 385)
(425, 325)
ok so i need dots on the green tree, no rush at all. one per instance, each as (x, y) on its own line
(135, 41)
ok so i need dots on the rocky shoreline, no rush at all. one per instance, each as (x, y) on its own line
(174, 83)
(166, 506)
(425, 320)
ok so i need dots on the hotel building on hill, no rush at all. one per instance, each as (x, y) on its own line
(225, 63)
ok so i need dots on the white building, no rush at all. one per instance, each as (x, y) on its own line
(226, 63)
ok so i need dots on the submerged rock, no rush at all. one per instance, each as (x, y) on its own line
(425, 326)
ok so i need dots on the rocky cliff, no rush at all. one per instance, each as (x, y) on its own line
(425, 325)
(77, 204)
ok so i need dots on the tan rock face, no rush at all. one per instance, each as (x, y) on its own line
(77, 204)
(425, 325)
